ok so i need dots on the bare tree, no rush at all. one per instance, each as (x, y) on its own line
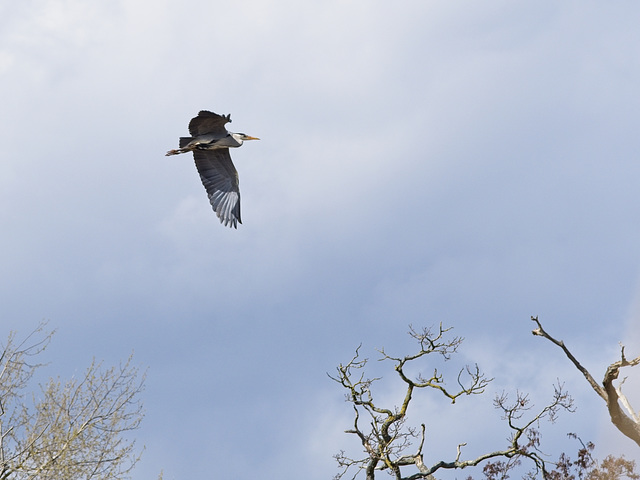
(68, 430)
(628, 422)
(386, 438)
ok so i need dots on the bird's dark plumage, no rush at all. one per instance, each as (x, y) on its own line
(220, 179)
(208, 122)
(210, 142)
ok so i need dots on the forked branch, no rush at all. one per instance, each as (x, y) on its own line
(612, 395)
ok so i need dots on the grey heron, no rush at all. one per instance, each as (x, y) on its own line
(210, 142)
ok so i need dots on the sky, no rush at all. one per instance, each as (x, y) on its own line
(421, 162)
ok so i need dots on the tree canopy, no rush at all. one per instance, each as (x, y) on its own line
(71, 429)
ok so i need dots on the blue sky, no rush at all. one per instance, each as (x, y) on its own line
(421, 162)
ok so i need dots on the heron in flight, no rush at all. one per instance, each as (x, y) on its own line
(210, 142)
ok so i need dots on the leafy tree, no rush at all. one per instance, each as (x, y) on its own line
(74, 429)
(584, 467)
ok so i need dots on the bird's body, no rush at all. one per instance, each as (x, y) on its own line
(210, 142)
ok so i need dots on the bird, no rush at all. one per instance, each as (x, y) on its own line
(210, 142)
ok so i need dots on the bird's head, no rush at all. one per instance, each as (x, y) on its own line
(244, 137)
(241, 137)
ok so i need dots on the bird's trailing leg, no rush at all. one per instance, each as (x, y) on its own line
(177, 151)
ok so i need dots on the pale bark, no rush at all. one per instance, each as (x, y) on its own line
(627, 424)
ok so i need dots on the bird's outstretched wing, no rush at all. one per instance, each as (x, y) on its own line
(208, 122)
(220, 179)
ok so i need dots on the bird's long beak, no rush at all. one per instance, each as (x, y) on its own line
(251, 138)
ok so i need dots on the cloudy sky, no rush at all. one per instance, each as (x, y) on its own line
(470, 163)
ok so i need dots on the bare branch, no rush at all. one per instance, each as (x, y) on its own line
(628, 425)
(460, 451)
(542, 333)
(388, 436)
(73, 429)
(625, 402)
